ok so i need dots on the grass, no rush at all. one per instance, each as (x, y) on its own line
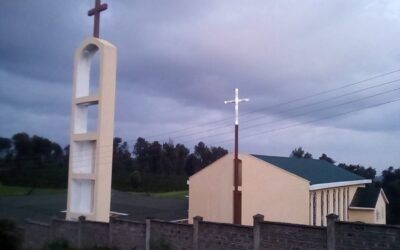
(19, 191)
(174, 194)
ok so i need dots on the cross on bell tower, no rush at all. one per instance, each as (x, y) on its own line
(90, 157)
(99, 7)
(237, 194)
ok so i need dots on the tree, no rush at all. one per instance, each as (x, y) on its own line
(368, 173)
(155, 154)
(168, 158)
(297, 152)
(217, 152)
(203, 153)
(300, 153)
(208, 155)
(181, 155)
(121, 156)
(141, 152)
(5, 146)
(22, 145)
(308, 155)
(135, 179)
(324, 157)
(391, 186)
(193, 164)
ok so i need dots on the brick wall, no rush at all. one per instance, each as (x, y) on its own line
(65, 230)
(282, 236)
(36, 234)
(214, 236)
(94, 234)
(366, 236)
(128, 235)
(176, 236)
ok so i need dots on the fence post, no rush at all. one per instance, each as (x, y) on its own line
(110, 230)
(257, 219)
(330, 230)
(148, 232)
(81, 220)
(51, 229)
(196, 221)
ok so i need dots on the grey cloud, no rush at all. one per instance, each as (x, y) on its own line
(178, 60)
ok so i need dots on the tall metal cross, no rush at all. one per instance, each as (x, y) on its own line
(237, 196)
(99, 7)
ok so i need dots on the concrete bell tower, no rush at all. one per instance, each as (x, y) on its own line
(90, 159)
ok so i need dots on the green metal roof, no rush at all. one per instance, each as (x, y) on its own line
(316, 171)
(366, 197)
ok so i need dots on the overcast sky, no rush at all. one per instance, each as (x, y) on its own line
(301, 63)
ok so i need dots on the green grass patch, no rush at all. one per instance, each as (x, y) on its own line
(12, 191)
(173, 195)
(18, 191)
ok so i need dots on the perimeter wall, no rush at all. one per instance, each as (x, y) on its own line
(201, 235)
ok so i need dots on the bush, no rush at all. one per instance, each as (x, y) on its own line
(10, 237)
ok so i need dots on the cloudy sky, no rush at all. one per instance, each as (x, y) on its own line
(324, 75)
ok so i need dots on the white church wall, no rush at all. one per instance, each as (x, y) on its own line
(211, 192)
(277, 194)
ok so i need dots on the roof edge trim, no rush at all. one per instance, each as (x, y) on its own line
(338, 184)
(384, 196)
(362, 208)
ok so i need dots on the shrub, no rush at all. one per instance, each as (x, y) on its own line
(10, 237)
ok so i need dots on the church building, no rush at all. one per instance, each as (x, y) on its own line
(283, 189)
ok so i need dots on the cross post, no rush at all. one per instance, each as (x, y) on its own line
(99, 7)
(237, 195)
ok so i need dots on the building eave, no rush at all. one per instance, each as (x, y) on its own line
(362, 208)
(338, 184)
(384, 196)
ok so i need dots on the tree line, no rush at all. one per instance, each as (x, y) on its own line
(35, 161)
(389, 180)
(147, 166)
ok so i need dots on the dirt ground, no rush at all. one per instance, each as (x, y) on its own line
(137, 206)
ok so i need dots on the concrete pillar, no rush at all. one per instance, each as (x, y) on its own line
(257, 219)
(148, 232)
(110, 230)
(81, 220)
(331, 239)
(196, 222)
(51, 229)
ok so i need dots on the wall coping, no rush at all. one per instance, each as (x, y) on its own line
(368, 224)
(95, 222)
(293, 225)
(127, 220)
(226, 224)
(171, 223)
(30, 221)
